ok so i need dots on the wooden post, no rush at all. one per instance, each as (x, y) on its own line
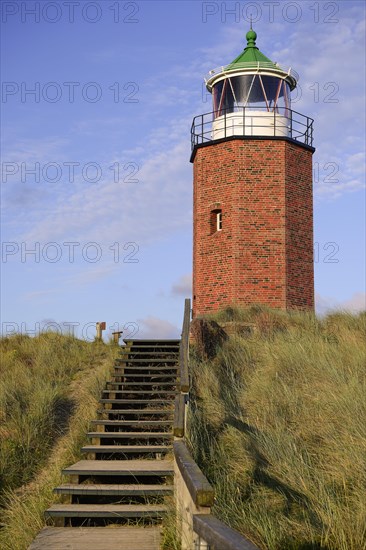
(100, 327)
(117, 336)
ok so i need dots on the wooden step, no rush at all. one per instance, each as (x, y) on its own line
(148, 353)
(148, 391)
(158, 342)
(151, 349)
(148, 348)
(137, 411)
(147, 360)
(132, 423)
(137, 383)
(134, 401)
(120, 467)
(146, 368)
(128, 435)
(106, 510)
(94, 538)
(101, 489)
(142, 375)
(125, 449)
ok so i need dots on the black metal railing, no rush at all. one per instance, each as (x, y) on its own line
(249, 122)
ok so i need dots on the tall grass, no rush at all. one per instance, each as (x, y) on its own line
(49, 392)
(278, 424)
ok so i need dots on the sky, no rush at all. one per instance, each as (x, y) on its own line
(96, 187)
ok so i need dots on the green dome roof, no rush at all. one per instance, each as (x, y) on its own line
(251, 61)
(251, 54)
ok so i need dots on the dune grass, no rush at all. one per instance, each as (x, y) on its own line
(278, 425)
(50, 386)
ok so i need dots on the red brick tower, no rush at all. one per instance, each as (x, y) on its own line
(253, 199)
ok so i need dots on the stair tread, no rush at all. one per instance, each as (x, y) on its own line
(120, 489)
(132, 422)
(141, 370)
(175, 348)
(131, 401)
(105, 510)
(151, 339)
(115, 467)
(135, 401)
(150, 367)
(137, 383)
(125, 448)
(164, 375)
(136, 411)
(147, 359)
(130, 352)
(85, 538)
(116, 435)
(141, 392)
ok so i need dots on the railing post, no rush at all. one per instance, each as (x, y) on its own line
(291, 123)
(117, 336)
(183, 352)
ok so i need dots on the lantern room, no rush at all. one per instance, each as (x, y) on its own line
(251, 95)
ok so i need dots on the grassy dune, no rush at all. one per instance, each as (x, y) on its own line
(278, 421)
(50, 386)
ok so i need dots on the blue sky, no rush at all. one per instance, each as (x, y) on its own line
(96, 177)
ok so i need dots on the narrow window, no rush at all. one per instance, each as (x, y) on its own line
(216, 220)
(219, 220)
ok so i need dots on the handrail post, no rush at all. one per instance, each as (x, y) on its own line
(100, 326)
(291, 123)
(184, 347)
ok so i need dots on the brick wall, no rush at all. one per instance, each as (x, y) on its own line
(264, 253)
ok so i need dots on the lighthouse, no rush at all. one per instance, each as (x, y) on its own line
(252, 190)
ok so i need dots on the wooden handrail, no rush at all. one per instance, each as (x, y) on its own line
(179, 415)
(184, 347)
(214, 532)
(201, 491)
(195, 496)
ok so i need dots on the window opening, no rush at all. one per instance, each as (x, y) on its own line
(215, 221)
(219, 220)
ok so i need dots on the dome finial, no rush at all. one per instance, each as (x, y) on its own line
(251, 35)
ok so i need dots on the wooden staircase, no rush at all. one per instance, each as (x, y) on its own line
(127, 473)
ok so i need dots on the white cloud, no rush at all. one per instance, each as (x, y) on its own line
(356, 303)
(34, 150)
(325, 304)
(107, 212)
(92, 274)
(40, 295)
(153, 327)
(183, 287)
